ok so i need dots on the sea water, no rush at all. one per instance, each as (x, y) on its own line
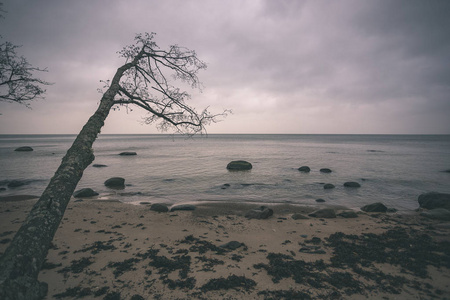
(393, 169)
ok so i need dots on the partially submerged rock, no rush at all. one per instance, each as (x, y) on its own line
(159, 207)
(127, 153)
(320, 200)
(15, 183)
(99, 166)
(260, 213)
(328, 186)
(183, 207)
(325, 170)
(375, 207)
(437, 214)
(304, 169)
(239, 165)
(352, 184)
(115, 182)
(434, 200)
(24, 149)
(86, 192)
(327, 213)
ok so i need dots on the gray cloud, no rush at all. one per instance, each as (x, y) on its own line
(282, 66)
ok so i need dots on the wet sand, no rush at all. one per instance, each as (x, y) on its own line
(111, 250)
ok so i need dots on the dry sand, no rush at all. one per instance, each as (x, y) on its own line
(111, 250)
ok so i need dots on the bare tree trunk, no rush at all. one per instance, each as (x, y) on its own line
(23, 259)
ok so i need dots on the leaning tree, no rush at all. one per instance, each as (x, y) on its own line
(144, 81)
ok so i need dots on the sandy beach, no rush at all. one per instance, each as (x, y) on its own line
(112, 250)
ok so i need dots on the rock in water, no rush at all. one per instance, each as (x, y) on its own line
(325, 170)
(183, 207)
(127, 153)
(352, 184)
(374, 207)
(434, 200)
(328, 186)
(320, 200)
(304, 169)
(86, 192)
(261, 213)
(115, 182)
(437, 214)
(327, 213)
(24, 149)
(15, 183)
(158, 207)
(239, 165)
(99, 166)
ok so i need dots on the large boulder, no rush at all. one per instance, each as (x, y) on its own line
(239, 165)
(437, 214)
(260, 213)
(304, 169)
(434, 200)
(327, 213)
(24, 149)
(352, 184)
(115, 182)
(158, 207)
(375, 207)
(86, 192)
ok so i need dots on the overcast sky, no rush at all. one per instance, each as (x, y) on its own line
(282, 66)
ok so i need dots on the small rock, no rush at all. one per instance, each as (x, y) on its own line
(115, 182)
(158, 207)
(374, 207)
(128, 153)
(348, 214)
(328, 186)
(24, 149)
(434, 200)
(262, 213)
(99, 166)
(437, 214)
(239, 165)
(86, 192)
(320, 200)
(325, 170)
(233, 245)
(352, 184)
(304, 169)
(183, 207)
(327, 213)
(225, 186)
(298, 216)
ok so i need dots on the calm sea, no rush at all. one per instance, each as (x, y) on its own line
(393, 169)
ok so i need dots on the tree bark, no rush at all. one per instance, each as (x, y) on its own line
(23, 259)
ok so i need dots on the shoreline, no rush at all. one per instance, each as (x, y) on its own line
(110, 248)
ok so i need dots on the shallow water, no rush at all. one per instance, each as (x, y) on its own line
(393, 169)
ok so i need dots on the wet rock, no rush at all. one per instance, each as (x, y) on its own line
(261, 213)
(434, 200)
(15, 183)
(320, 200)
(437, 214)
(158, 207)
(304, 169)
(374, 207)
(348, 214)
(99, 166)
(127, 153)
(326, 213)
(298, 216)
(115, 182)
(325, 170)
(183, 207)
(225, 186)
(86, 192)
(239, 165)
(24, 149)
(328, 186)
(233, 245)
(352, 184)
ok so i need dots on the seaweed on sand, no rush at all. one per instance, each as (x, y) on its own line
(124, 266)
(78, 266)
(231, 282)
